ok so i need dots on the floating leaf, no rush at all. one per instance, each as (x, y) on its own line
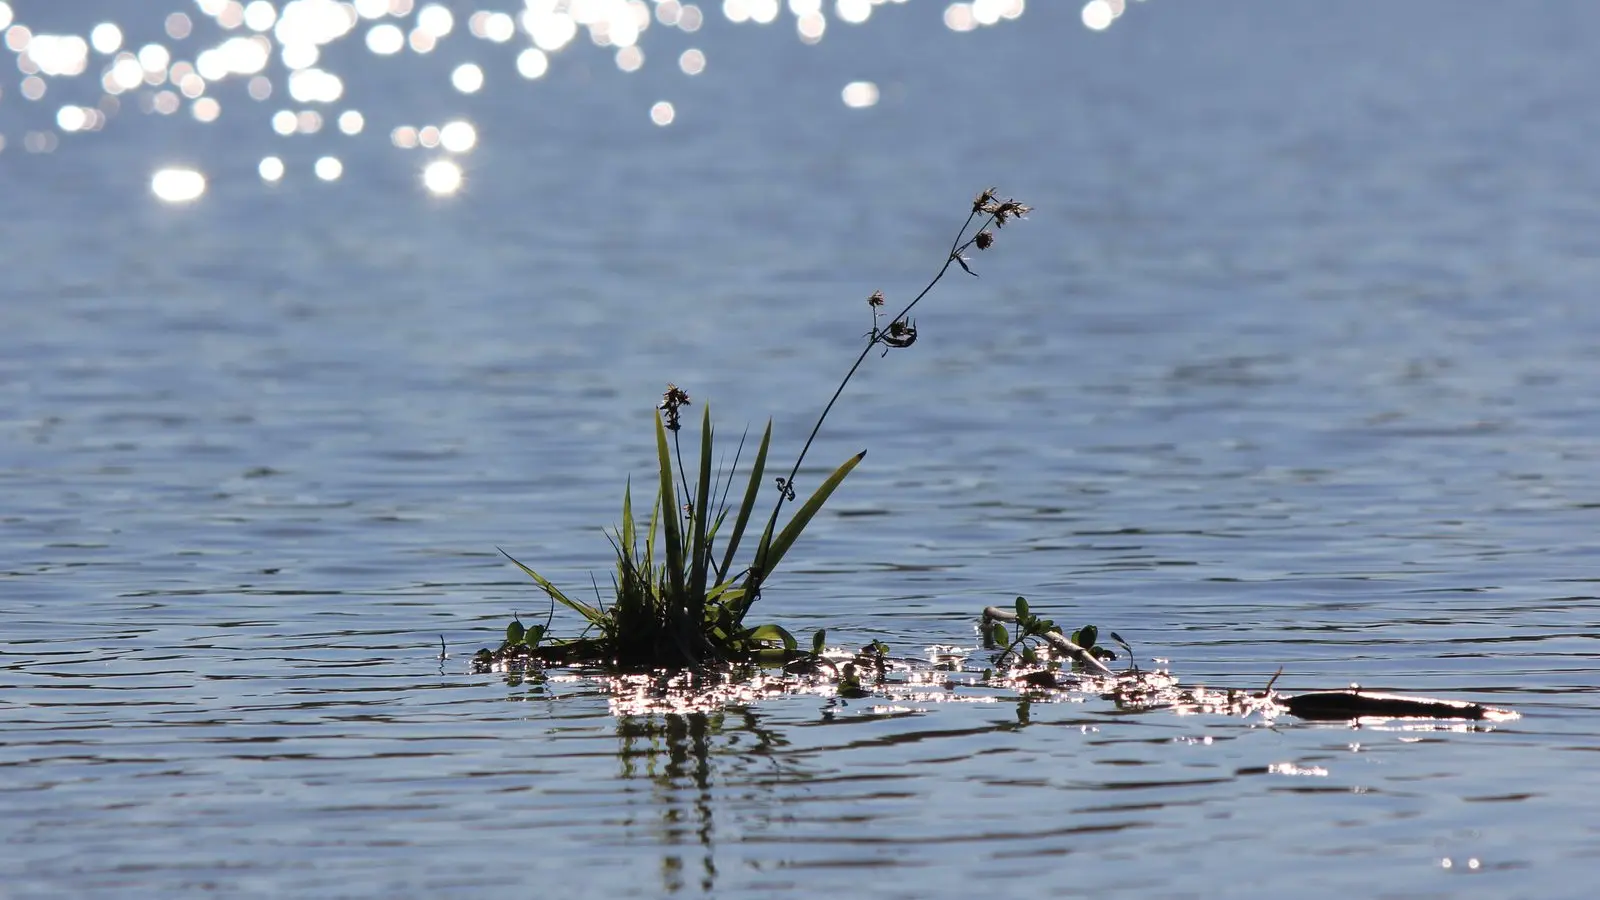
(771, 634)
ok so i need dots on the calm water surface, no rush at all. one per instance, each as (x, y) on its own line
(1296, 364)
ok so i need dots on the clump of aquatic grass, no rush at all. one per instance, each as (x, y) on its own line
(680, 598)
(679, 601)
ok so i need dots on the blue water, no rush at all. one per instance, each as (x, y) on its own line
(1294, 365)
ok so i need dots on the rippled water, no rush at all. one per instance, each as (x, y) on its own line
(1294, 365)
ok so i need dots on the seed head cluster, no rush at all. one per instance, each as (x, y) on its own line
(671, 401)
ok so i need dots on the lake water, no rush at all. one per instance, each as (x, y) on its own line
(1296, 364)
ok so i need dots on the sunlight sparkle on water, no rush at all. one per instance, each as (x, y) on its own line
(315, 86)
(532, 63)
(178, 185)
(492, 26)
(458, 136)
(860, 94)
(811, 27)
(467, 78)
(435, 20)
(178, 25)
(1097, 15)
(164, 80)
(386, 39)
(442, 177)
(550, 30)
(854, 12)
(106, 38)
(260, 15)
(206, 109)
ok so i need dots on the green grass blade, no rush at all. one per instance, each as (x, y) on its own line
(699, 545)
(750, 494)
(669, 511)
(595, 616)
(802, 516)
(629, 537)
(650, 542)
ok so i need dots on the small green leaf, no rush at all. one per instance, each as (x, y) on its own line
(771, 634)
(1022, 608)
(817, 639)
(1029, 657)
(998, 635)
(1087, 635)
(533, 636)
(514, 633)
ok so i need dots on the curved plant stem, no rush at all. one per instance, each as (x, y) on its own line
(874, 338)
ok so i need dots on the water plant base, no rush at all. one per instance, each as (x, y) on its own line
(878, 681)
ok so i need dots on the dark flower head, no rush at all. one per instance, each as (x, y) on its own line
(1002, 210)
(671, 402)
(984, 240)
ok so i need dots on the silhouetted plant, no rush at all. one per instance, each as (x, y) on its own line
(687, 606)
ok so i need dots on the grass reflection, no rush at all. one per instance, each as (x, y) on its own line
(676, 753)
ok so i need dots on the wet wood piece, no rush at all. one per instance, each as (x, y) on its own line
(1055, 638)
(1327, 706)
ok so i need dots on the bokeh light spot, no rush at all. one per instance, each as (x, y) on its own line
(532, 63)
(467, 78)
(860, 94)
(442, 177)
(458, 136)
(178, 185)
(1097, 15)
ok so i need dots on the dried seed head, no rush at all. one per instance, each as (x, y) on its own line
(984, 240)
(900, 333)
(1002, 210)
(1012, 208)
(671, 401)
(876, 300)
(983, 200)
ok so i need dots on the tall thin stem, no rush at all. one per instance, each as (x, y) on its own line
(876, 337)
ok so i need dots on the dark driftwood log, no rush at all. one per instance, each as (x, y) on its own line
(1326, 706)
(1056, 639)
